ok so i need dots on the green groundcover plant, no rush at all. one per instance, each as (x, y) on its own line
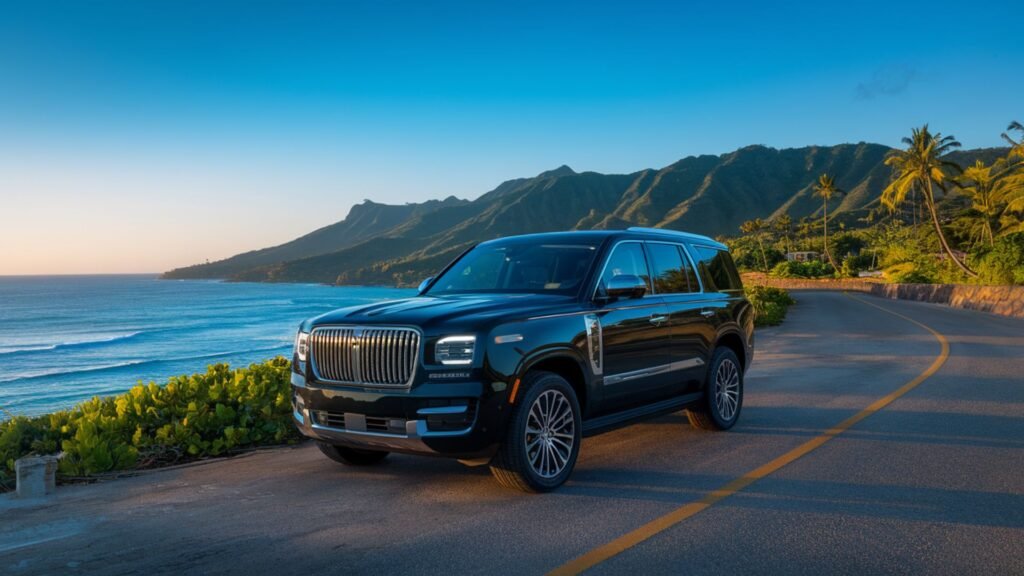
(196, 416)
(770, 304)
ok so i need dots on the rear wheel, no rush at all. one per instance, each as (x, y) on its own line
(543, 436)
(351, 456)
(719, 409)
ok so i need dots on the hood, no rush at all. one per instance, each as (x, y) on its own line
(467, 311)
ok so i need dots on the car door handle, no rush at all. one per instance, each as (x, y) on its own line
(658, 319)
(707, 313)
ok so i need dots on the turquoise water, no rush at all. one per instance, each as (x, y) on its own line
(67, 338)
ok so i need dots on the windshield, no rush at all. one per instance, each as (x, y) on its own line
(555, 268)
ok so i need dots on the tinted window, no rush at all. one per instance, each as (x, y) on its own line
(717, 270)
(518, 267)
(626, 259)
(672, 273)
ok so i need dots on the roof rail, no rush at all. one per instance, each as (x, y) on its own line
(687, 235)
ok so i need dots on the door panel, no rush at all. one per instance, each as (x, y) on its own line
(637, 347)
(692, 338)
(635, 335)
(675, 279)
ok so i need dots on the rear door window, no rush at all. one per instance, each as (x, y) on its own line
(671, 271)
(717, 270)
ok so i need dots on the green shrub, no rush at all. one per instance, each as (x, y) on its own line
(770, 304)
(193, 416)
(746, 253)
(808, 269)
(1004, 263)
(920, 272)
(853, 264)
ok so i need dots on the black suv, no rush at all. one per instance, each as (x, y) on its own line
(522, 345)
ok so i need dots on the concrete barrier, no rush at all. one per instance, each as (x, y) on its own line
(36, 475)
(1002, 300)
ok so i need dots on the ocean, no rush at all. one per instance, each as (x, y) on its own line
(64, 339)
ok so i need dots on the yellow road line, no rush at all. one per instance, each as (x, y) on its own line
(627, 541)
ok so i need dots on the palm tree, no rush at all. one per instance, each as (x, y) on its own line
(922, 168)
(826, 189)
(756, 228)
(1012, 219)
(804, 228)
(985, 188)
(783, 226)
(1016, 146)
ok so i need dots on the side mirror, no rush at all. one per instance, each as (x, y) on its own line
(424, 284)
(626, 286)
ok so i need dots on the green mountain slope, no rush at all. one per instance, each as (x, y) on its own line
(382, 244)
(364, 221)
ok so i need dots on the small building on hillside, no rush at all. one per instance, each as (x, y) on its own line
(805, 256)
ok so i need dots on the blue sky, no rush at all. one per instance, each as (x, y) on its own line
(147, 135)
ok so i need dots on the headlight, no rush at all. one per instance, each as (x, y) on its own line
(452, 350)
(301, 345)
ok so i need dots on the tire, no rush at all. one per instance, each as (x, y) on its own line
(538, 461)
(351, 456)
(715, 411)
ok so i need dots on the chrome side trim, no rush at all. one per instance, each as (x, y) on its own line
(595, 343)
(652, 371)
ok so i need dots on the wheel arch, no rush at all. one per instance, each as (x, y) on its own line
(733, 340)
(566, 364)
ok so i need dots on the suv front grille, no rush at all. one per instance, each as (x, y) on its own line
(364, 355)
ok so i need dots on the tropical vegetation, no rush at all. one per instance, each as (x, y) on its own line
(826, 190)
(214, 413)
(935, 220)
(770, 304)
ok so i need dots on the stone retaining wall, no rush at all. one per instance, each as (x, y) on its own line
(1002, 300)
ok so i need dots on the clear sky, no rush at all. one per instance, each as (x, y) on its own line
(138, 136)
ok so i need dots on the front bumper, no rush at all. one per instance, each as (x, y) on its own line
(405, 421)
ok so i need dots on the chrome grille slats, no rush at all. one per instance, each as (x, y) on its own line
(368, 356)
(345, 342)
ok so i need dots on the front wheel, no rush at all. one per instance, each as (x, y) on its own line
(543, 436)
(719, 409)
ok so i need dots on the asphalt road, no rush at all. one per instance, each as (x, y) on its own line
(931, 483)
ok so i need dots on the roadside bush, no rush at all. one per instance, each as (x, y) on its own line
(920, 272)
(853, 264)
(770, 304)
(194, 416)
(809, 269)
(1004, 263)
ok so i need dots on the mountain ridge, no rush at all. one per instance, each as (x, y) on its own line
(708, 194)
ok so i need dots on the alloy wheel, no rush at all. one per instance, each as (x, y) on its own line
(727, 389)
(550, 434)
